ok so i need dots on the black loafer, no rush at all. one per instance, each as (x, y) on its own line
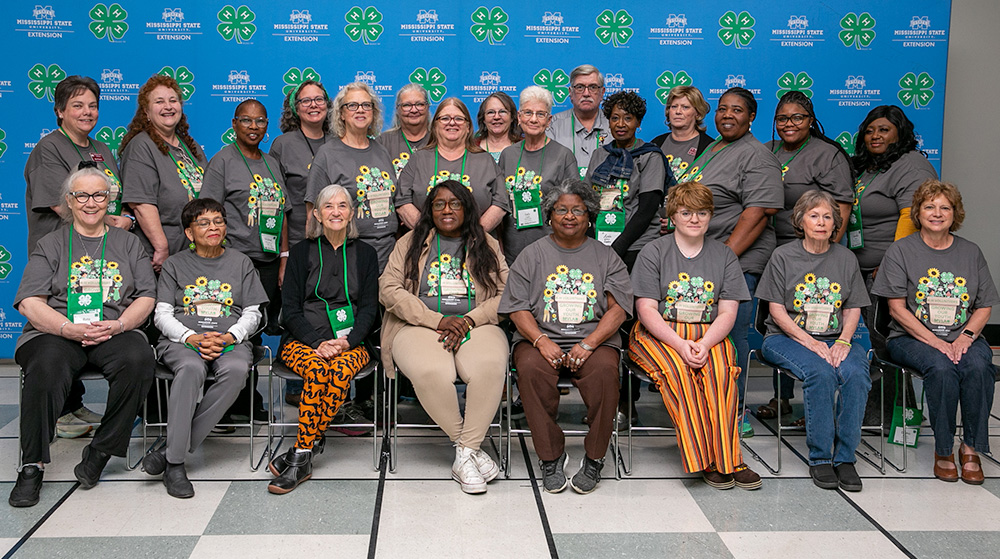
(848, 476)
(155, 462)
(824, 477)
(27, 487)
(177, 483)
(298, 470)
(88, 471)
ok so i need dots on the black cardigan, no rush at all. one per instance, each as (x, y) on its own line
(703, 141)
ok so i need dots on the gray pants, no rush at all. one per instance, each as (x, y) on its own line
(188, 421)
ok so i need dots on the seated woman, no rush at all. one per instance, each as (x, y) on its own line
(568, 294)
(208, 304)
(815, 292)
(440, 289)
(85, 290)
(329, 306)
(941, 295)
(687, 290)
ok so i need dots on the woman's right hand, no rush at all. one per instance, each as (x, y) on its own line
(331, 348)
(159, 257)
(75, 332)
(694, 354)
(551, 351)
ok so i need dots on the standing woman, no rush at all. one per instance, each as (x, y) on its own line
(356, 161)
(496, 124)
(162, 167)
(532, 168)
(411, 125)
(330, 304)
(305, 127)
(685, 111)
(450, 154)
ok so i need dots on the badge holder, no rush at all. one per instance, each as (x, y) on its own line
(270, 227)
(610, 226)
(341, 318)
(528, 208)
(88, 306)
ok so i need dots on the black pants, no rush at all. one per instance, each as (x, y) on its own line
(51, 364)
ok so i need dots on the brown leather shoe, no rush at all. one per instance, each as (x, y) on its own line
(950, 474)
(972, 477)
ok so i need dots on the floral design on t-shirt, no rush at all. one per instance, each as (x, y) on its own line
(86, 271)
(522, 180)
(374, 195)
(447, 267)
(446, 176)
(692, 290)
(400, 162)
(944, 289)
(618, 203)
(265, 196)
(205, 290)
(677, 165)
(569, 282)
(817, 291)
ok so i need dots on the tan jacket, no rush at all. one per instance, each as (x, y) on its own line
(403, 306)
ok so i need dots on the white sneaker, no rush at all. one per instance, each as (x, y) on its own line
(69, 427)
(88, 416)
(465, 472)
(487, 467)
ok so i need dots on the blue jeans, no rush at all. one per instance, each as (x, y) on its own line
(969, 382)
(744, 318)
(833, 425)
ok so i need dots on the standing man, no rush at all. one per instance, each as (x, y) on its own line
(584, 128)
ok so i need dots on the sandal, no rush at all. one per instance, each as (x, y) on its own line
(770, 410)
(972, 477)
(800, 422)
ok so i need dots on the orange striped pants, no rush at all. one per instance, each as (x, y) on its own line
(701, 402)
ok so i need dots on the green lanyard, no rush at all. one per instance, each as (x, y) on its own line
(855, 231)
(694, 165)
(188, 176)
(784, 168)
(85, 307)
(269, 225)
(408, 146)
(262, 158)
(436, 155)
(541, 163)
(462, 273)
(341, 319)
(115, 206)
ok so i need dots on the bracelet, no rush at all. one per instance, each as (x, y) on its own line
(534, 343)
(470, 322)
(842, 342)
(283, 254)
(132, 219)
(584, 345)
(61, 327)
(122, 326)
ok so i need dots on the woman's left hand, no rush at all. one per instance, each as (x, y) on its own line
(331, 348)
(959, 347)
(576, 357)
(100, 332)
(452, 331)
(838, 352)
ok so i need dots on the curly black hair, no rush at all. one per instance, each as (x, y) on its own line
(906, 142)
(628, 101)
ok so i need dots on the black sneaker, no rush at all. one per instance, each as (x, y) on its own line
(589, 475)
(27, 487)
(824, 477)
(553, 476)
(155, 462)
(88, 471)
(848, 477)
(177, 483)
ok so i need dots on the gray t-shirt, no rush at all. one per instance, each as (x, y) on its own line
(554, 164)
(150, 177)
(209, 294)
(814, 288)
(688, 289)
(400, 149)
(648, 175)
(245, 196)
(565, 289)
(367, 174)
(679, 154)
(294, 152)
(445, 280)
(485, 180)
(126, 275)
(566, 129)
(941, 287)
(53, 159)
(819, 166)
(743, 174)
(885, 195)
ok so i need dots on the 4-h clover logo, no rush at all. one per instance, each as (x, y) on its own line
(363, 24)
(847, 141)
(525, 196)
(44, 80)
(184, 78)
(916, 90)
(857, 30)
(85, 300)
(294, 77)
(236, 23)
(489, 24)
(669, 80)
(341, 315)
(112, 138)
(229, 136)
(271, 223)
(432, 80)
(108, 21)
(614, 27)
(795, 82)
(736, 29)
(3, 146)
(5, 266)
(610, 218)
(557, 82)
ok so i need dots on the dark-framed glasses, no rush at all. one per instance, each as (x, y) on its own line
(797, 118)
(318, 101)
(100, 196)
(353, 107)
(205, 223)
(439, 205)
(578, 212)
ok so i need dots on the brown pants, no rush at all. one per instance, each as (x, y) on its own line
(597, 381)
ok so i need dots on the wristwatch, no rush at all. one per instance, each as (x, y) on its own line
(969, 333)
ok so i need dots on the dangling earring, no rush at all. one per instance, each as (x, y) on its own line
(225, 242)
(267, 136)
(191, 246)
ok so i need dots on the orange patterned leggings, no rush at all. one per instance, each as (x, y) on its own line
(327, 384)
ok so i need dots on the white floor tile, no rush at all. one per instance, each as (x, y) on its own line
(815, 545)
(270, 546)
(906, 504)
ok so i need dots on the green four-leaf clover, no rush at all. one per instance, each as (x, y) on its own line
(556, 82)
(294, 77)
(916, 90)
(108, 21)
(363, 24)
(113, 138)
(669, 80)
(432, 80)
(3, 146)
(5, 266)
(795, 82)
(614, 27)
(236, 23)
(857, 30)
(736, 29)
(847, 141)
(184, 78)
(44, 81)
(489, 24)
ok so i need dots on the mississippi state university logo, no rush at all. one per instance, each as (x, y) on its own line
(238, 87)
(173, 26)
(551, 28)
(797, 33)
(368, 78)
(675, 30)
(299, 27)
(920, 33)
(856, 92)
(614, 83)
(732, 80)
(427, 27)
(489, 83)
(44, 24)
(115, 88)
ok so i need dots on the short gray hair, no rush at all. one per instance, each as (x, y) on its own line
(810, 200)
(315, 228)
(406, 89)
(67, 187)
(586, 70)
(572, 187)
(378, 113)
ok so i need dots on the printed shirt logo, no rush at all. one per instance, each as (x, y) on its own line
(689, 294)
(448, 269)
(432, 80)
(669, 80)
(108, 21)
(262, 191)
(736, 29)
(556, 81)
(857, 30)
(677, 165)
(294, 77)
(184, 78)
(44, 80)
(205, 290)
(363, 25)
(236, 23)
(86, 268)
(916, 90)
(614, 27)
(489, 83)
(489, 25)
(795, 82)
(5, 266)
(449, 176)
(942, 298)
(112, 138)
(817, 291)
(374, 195)
(523, 181)
(569, 287)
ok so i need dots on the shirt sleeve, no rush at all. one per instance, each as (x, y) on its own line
(890, 281)
(141, 180)
(761, 182)
(772, 282)
(734, 284)
(319, 175)
(46, 175)
(646, 272)
(142, 267)
(498, 189)
(837, 179)
(214, 184)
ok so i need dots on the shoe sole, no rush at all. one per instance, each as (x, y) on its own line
(22, 504)
(581, 491)
(751, 486)
(826, 484)
(84, 484)
(350, 432)
(282, 491)
(565, 483)
(851, 488)
(492, 474)
(470, 488)
(729, 485)
(63, 434)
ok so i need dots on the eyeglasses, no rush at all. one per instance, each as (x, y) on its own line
(686, 214)
(627, 119)
(246, 121)
(492, 113)
(451, 119)
(578, 212)
(411, 106)
(318, 101)
(100, 196)
(205, 223)
(354, 107)
(797, 118)
(439, 205)
(593, 88)
(528, 115)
